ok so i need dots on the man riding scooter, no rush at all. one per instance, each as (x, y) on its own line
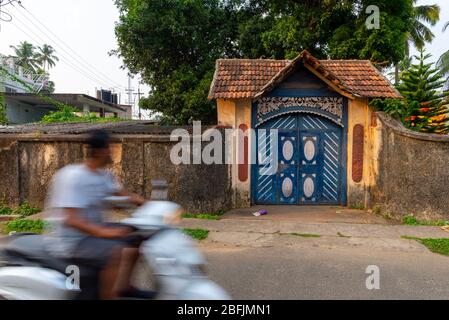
(76, 200)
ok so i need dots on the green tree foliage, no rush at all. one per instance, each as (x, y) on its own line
(420, 33)
(3, 116)
(25, 55)
(396, 108)
(46, 57)
(34, 58)
(39, 60)
(422, 87)
(174, 44)
(383, 46)
(67, 113)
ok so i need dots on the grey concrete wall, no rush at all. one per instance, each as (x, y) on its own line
(19, 113)
(413, 177)
(9, 171)
(27, 165)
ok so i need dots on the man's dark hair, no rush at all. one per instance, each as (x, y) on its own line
(98, 139)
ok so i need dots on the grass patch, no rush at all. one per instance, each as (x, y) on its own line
(204, 216)
(220, 212)
(198, 234)
(5, 211)
(24, 210)
(440, 246)
(26, 225)
(387, 215)
(2, 227)
(304, 235)
(412, 221)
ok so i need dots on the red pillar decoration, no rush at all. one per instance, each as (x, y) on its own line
(243, 167)
(357, 152)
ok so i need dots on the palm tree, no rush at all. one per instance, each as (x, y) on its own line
(46, 57)
(25, 55)
(443, 62)
(422, 15)
(420, 33)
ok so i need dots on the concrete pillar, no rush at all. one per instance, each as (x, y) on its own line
(159, 190)
(86, 108)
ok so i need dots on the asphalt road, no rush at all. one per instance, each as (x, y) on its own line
(310, 272)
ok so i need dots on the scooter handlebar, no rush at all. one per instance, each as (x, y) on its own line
(117, 200)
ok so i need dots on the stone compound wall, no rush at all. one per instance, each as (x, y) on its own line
(27, 165)
(413, 172)
(407, 172)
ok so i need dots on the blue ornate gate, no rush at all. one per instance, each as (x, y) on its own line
(301, 162)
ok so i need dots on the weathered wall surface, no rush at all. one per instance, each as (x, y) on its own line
(22, 113)
(28, 164)
(9, 171)
(233, 113)
(413, 175)
(360, 114)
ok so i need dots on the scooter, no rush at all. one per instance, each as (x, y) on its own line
(28, 272)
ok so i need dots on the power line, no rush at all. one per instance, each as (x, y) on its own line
(84, 61)
(103, 80)
(70, 64)
(6, 2)
(73, 66)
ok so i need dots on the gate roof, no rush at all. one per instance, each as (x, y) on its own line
(251, 78)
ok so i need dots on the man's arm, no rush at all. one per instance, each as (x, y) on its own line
(133, 198)
(74, 219)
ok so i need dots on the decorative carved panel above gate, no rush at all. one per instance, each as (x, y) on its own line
(333, 106)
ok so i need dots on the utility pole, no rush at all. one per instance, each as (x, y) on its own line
(138, 102)
(130, 92)
(139, 94)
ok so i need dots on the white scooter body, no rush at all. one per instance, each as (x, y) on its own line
(33, 283)
(172, 256)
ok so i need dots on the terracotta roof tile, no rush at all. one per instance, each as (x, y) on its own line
(245, 78)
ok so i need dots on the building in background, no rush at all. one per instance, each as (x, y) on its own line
(26, 77)
(28, 107)
(108, 96)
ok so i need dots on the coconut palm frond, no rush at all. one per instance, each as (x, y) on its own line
(446, 26)
(420, 34)
(428, 13)
(443, 63)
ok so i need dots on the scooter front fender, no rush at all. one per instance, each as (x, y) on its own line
(33, 283)
(204, 289)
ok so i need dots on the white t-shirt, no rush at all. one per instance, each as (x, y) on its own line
(76, 186)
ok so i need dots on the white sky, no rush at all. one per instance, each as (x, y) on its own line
(87, 26)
